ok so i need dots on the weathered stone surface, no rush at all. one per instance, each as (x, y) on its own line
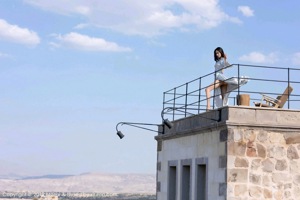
(267, 194)
(240, 190)
(261, 151)
(262, 136)
(256, 163)
(281, 165)
(249, 136)
(255, 179)
(287, 194)
(292, 138)
(281, 178)
(236, 148)
(266, 181)
(277, 152)
(294, 167)
(268, 165)
(255, 191)
(241, 162)
(297, 179)
(296, 191)
(275, 137)
(251, 150)
(237, 175)
(238, 135)
(292, 152)
(287, 186)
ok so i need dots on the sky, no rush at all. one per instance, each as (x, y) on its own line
(70, 70)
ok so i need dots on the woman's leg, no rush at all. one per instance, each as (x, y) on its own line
(211, 87)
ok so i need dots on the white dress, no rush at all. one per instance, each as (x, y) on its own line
(232, 83)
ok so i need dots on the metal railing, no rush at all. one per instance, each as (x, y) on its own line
(190, 99)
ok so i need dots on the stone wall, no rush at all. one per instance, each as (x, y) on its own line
(263, 164)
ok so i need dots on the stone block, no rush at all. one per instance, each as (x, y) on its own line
(222, 161)
(251, 150)
(255, 191)
(268, 194)
(240, 190)
(296, 179)
(237, 175)
(266, 181)
(222, 189)
(292, 153)
(255, 179)
(276, 138)
(281, 178)
(268, 165)
(294, 167)
(262, 136)
(261, 151)
(281, 165)
(255, 164)
(250, 135)
(236, 148)
(277, 152)
(292, 138)
(241, 162)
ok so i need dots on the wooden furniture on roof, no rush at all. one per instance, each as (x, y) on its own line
(267, 101)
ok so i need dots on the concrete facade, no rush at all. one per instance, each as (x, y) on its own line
(251, 153)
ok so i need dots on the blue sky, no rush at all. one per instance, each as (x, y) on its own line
(71, 70)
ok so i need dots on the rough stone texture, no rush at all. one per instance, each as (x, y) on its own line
(292, 138)
(236, 148)
(281, 165)
(255, 191)
(268, 165)
(251, 150)
(261, 151)
(238, 175)
(292, 153)
(240, 190)
(241, 162)
(256, 163)
(255, 179)
(264, 165)
(267, 194)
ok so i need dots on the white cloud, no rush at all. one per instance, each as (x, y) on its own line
(4, 55)
(145, 18)
(17, 34)
(260, 58)
(246, 11)
(296, 59)
(86, 43)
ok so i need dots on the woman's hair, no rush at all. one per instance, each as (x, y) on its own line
(223, 55)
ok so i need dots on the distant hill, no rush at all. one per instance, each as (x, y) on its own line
(89, 182)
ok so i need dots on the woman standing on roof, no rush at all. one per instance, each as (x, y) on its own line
(222, 85)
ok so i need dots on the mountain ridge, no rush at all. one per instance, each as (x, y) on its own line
(87, 182)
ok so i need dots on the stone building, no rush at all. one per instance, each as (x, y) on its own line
(251, 153)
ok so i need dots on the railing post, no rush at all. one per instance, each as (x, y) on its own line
(174, 104)
(238, 79)
(199, 98)
(288, 88)
(186, 94)
(215, 74)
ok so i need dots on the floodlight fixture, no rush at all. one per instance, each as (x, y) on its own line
(137, 125)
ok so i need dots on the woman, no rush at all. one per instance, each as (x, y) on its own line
(222, 85)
